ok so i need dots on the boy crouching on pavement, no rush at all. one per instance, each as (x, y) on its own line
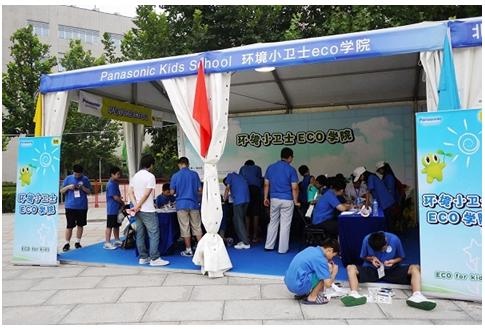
(311, 271)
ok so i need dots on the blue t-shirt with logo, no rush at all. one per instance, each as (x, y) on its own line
(186, 184)
(164, 199)
(379, 191)
(239, 188)
(303, 188)
(393, 250)
(252, 174)
(325, 207)
(281, 175)
(81, 202)
(306, 264)
(112, 189)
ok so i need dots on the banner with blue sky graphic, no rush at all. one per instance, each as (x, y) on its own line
(36, 204)
(449, 168)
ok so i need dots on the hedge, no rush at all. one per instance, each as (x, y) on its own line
(8, 201)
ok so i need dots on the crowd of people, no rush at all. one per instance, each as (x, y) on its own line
(279, 191)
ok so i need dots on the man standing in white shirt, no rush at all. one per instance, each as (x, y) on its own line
(142, 185)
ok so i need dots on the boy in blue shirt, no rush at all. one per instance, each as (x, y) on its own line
(77, 187)
(311, 271)
(238, 186)
(384, 250)
(114, 203)
(165, 197)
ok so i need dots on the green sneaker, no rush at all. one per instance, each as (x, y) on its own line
(353, 301)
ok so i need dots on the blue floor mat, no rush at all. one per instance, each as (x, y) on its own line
(253, 261)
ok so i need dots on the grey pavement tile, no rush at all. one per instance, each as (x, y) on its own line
(25, 298)
(164, 323)
(240, 280)
(225, 292)
(184, 311)
(453, 322)
(474, 309)
(51, 272)
(390, 322)
(275, 291)
(226, 323)
(11, 274)
(186, 279)
(336, 310)
(34, 315)
(262, 309)
(132, 281)
(17, 285)
(156, 294)
(67, 283)
(109, 271)
(85, 296)
(106, 313)
(445, 309)
(325, 322)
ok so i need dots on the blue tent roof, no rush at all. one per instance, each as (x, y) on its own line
(426, 36)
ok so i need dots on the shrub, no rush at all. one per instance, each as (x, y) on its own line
(8, 200)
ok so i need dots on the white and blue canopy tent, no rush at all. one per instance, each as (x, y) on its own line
(377, 66)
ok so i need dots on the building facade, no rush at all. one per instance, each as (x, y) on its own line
(56, 26)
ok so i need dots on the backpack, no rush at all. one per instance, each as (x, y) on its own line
(130, 241)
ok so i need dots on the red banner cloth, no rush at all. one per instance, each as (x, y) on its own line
(201, 111)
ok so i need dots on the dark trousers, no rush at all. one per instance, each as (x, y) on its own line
(240, 223)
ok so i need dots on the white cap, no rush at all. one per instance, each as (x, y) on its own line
(357, 172)
(379, 164)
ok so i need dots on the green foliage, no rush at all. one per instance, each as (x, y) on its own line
(164, 150)
(8, 201)
(87, 138)
(21, 81)
(109, 49)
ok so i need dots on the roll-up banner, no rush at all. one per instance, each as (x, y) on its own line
(36, 201)
(449, 169)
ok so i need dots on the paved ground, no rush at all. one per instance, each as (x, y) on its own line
(82, 294)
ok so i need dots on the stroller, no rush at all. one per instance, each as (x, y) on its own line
(130, 229)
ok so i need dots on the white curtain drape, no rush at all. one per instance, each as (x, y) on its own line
(134, 135)
(55, 113)
(211, 253)
(468, 69)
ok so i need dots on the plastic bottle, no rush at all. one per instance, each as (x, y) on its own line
(375, 208)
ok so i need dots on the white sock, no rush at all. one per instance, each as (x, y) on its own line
(417, 293)
(67, 242)
(188, 249)
(78, 240)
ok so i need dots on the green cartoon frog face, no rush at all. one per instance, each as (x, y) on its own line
(433, 167)
(25, 175)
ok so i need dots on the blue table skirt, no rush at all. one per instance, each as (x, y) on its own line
(352, 231)
(169, 232)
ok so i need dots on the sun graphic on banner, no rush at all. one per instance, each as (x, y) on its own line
(468, 143)
(46, 159)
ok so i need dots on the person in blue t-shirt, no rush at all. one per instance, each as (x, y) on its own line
(307, 179)
(186, 186)
(378, 191)
(384, 250)
(238, 186)
(311, 271)
(329, 206)
(114, 203)
(77, 187)
(165, 198)
(253, 175)
(281, 186)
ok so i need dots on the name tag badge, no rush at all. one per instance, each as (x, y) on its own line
(380, 271)
(77, 194)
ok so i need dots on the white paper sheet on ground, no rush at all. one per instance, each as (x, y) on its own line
(377, 296)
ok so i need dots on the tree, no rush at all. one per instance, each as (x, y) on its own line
(21, 82)
(87, 138)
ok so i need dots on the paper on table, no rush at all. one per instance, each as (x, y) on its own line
(349, 212)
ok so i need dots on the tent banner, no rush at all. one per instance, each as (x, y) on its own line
(329, 142)
(37, 200)
(466, 33)
(90, 104)
(121, 111)
(449, 169)
(385, 42)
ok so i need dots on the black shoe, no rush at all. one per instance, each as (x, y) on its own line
(265, 249)
(77, 245)
(66, 247)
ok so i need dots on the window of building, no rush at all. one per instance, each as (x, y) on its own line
(60, 68)
(40, 28)
(85, 35)
(116, 38)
